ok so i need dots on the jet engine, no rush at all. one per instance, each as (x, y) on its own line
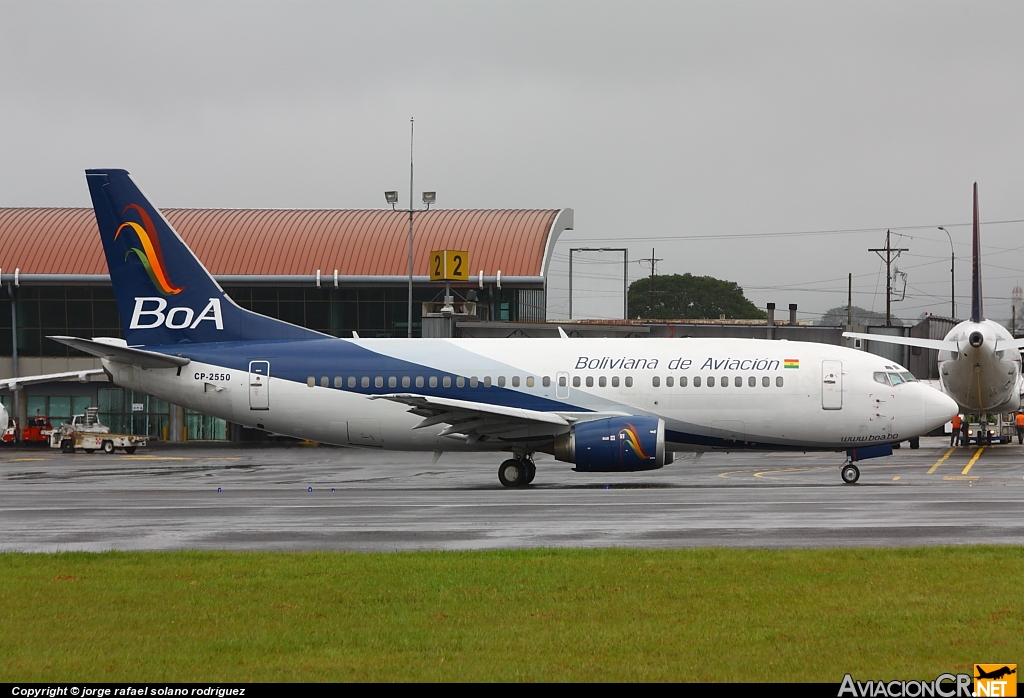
(614, 445)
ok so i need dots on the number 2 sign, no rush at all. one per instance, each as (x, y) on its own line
(449, 265)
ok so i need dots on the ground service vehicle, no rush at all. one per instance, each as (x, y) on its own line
(84, 431)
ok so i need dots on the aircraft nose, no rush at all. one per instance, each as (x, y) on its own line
(939, 408)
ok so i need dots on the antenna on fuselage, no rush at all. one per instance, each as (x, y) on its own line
(977, 312)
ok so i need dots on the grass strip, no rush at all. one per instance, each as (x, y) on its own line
(534, 615)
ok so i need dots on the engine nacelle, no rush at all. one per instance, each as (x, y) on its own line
(614, 445)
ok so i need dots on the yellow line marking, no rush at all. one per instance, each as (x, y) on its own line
(896, 478)
(977, 455)
(961, 477)
(176, 458)
(22, 460)
(941, 460)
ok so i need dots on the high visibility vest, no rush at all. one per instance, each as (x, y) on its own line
(957, 422)
(1020, 419)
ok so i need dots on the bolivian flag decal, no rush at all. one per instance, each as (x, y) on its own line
(791, 363)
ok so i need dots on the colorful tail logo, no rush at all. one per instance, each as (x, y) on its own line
(150, 255)
(634, 441)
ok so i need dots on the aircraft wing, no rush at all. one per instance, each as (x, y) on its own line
(940, 344)
(80, 376)
(123, 353)
(477, 421)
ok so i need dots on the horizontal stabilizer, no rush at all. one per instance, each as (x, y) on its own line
(80, 376)
(940, 344)
(123, 353)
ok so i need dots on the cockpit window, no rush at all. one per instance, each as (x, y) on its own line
(881, 377)
(908, 377)
(895, 379)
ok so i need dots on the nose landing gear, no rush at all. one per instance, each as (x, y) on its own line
(850, 473)
(517, 472)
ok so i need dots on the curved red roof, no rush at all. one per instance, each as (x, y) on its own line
(285, 242)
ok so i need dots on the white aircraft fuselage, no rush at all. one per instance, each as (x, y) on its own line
(984, 374)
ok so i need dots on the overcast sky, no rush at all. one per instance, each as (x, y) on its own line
(657, 122)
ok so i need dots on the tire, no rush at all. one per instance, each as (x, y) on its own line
(512, 473)
(108, 447)
(130, 449)
(897, 444)
(67, 446)
(531, 471)
(850, 473)
(90, 450)
(915, 442)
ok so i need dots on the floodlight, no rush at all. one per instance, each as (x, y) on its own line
(429, 197)
(391, 197)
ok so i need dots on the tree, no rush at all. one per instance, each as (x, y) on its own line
(690, 297)
(837, 317)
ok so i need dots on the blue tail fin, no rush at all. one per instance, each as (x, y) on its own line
(164, 294)
(977, 312)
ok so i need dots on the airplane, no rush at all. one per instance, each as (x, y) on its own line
(979, 360)
(995, 674)
(605, 405)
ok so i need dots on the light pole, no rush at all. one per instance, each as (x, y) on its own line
(429, 197)
(952, 273)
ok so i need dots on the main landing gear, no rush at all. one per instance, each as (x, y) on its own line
(850, 473)
(517, 472)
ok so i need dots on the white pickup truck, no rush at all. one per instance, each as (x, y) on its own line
(84, 431)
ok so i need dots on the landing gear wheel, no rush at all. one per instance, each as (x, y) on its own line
(850, 473)
(897, 445)
(915, 442)
(108, 447)
(531, 471)
(513, 473)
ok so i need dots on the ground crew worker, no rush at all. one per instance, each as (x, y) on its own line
(1020, 427)
(954, 437)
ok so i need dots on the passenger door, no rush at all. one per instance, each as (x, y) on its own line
(259, 385)
(831, 385)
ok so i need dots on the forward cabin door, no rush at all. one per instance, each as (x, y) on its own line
(259, 385)
(831, 385)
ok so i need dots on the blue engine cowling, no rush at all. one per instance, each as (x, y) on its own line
(614, 445)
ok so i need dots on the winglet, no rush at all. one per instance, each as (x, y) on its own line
(562, 334)
(977, 312)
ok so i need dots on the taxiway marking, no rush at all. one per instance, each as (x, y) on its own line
(941, 460)
(977, 455)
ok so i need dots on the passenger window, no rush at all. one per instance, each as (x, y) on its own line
(590, 381)
(515, 381)
(696, 381)
(433, 381)
(602, 381)
(766, 381)
(378, 382)
(778, 381)
(405, 381)
(629, 381)
(575, 381)
(615, 381)
(669, 381)
(655, 381)
(338, 382)
(365, 382)
(311, 381)
(711, 381)
(501, 381)
(561, 381)
(324, 381)
(446, 381)
(392, 382)
(752, 382)
(880, 377)
(487, 381)
(529, 381)
(547, 381)
(460, 382)
(419, 381)
(682, 381)
(725, 381)
(474, 382)
(738, 381)
(351, 381)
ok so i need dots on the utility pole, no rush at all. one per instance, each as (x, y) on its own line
(653, 260)
(849, 299)
(888, 259)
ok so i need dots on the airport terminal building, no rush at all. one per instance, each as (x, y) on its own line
(334, 271)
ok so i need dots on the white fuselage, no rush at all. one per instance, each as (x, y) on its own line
(986, 377)
(828, 397)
